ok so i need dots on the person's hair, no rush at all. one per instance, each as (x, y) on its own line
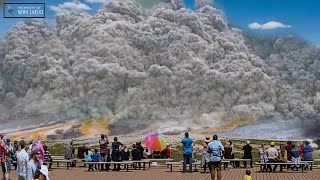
(215, 137)
(45, 147)
(262, 145)
(1, 136)
(22, 144)
(124, 147)
(272, 145)
(248, 172)
(293, 145)
(134, 146)
(115, 139)
(186, 134)
(95, 150)
(230, 142)
(281, 145)
(87, 151)
(307, 143)
(289, 143)
(102, 136)
(37, 174)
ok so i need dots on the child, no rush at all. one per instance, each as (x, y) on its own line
(248, 175)
(95, 158)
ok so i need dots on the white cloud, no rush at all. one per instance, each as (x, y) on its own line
(255, 25)
(268, 25)
(96, 1)
(73, 6)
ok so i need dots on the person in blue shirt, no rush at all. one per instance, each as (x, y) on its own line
(215, 149)
(95, 158)
(187, 152)
(307, 152)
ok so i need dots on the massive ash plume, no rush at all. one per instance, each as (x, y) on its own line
(296, 66)
(167, 65)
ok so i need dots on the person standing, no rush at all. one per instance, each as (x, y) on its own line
(136, 155)
(33, 164)
(22, 161)
(47, 157)
(69, 152)
(116, 153)
(215, 149)
(187, 152)
(104, 150)
(263, 157)
(247, 154)
(139, 146)
(205, 158)
(5, 164)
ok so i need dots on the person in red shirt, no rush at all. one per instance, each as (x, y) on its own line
(288, 148)
(167, 152)
(300, 147)
(4, 159)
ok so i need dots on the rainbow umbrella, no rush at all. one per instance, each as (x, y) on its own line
(155, 142)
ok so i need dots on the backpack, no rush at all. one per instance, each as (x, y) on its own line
(295, 152)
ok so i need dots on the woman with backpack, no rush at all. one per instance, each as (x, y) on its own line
(295, 156)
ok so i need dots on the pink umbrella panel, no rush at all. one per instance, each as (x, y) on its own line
(155, 142)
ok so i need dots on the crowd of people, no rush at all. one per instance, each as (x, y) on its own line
(289, 152)
(213, 152)
(32, 164)
(29, 164)
(115, 151)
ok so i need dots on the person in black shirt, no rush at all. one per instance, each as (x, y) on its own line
(247, 149)
(116, 152)
(125, 155)
(141, 149)
(136, 155)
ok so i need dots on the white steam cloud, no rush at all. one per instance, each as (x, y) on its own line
(141, 67)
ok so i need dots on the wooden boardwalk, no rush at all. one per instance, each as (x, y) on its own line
(162, 173)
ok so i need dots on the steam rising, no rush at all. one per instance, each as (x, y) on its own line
(160, 66)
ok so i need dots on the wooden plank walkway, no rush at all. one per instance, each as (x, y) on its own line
(162, 173)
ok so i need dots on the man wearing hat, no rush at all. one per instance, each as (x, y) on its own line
(215, 149)
(247, 154)
(205, 158)
(272, 157)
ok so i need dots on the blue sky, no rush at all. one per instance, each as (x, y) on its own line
(267, 17)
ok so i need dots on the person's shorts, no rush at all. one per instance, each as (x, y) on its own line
(6, 167)
(215, 165)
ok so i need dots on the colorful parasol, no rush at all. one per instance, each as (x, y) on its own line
(155, 142)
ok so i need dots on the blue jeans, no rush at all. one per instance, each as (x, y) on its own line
(187, 158)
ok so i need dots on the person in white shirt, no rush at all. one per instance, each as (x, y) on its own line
(22, 161)
(273, 157)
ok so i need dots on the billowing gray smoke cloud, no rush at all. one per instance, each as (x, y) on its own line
(141, 67)
(296, 66)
